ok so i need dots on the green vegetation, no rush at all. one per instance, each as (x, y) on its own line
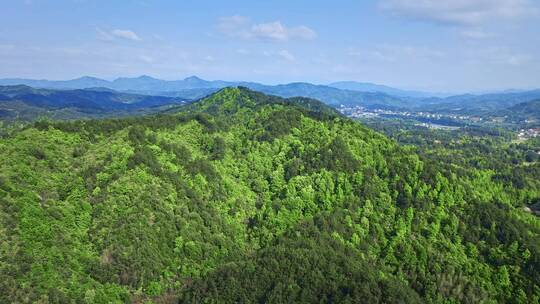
(512, 162)
(525, 113)
(248, 198)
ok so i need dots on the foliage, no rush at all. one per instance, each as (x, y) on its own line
(243, 197)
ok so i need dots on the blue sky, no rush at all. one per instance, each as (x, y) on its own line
(438, 45)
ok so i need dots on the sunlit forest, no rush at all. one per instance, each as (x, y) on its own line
(243, 197)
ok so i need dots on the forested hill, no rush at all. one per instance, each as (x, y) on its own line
(248, 198)
(233, 100)
(526, 110)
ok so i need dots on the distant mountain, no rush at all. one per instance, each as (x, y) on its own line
(371, 87)
(332, 96)
(78, 83)
(478, 104)
(154, 85)
(346, 92)
(194, 88)
(190, 94)
(528, 108)
(27, 103)
(524, 113)
(141, 83)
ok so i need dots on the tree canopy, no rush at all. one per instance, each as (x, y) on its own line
(249, 198)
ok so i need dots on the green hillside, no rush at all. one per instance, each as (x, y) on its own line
(248, 198)
(529, 111)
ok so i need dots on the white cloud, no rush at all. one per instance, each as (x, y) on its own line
(459, 12)
(396, 53)
(117, 34)
(476, 34)
(234, 26)
(286, 55)
(354, 52)
(126, 34)
(146, 58)
(243, 51)
(239, 26)
(517, 60)
(278, 32)
(282, 54)
(103, 35)
(502, 56)
(7, 47)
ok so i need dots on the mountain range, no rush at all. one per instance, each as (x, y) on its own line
(478, 104)
(371, 87)
(348, 93)
(27, 103)
(194, 88)
(150, 84)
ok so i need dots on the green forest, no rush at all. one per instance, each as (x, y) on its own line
(243, 197)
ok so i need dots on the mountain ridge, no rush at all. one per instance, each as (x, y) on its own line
(190, 82)
(27, 103)
(229, 100)
(373, 87)
(339, 93)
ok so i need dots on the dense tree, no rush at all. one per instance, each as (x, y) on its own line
(243, 197)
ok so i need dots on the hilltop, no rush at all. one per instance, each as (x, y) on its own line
(231, 100)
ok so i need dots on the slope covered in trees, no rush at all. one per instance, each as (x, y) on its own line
(525, 111)
(243, 197)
